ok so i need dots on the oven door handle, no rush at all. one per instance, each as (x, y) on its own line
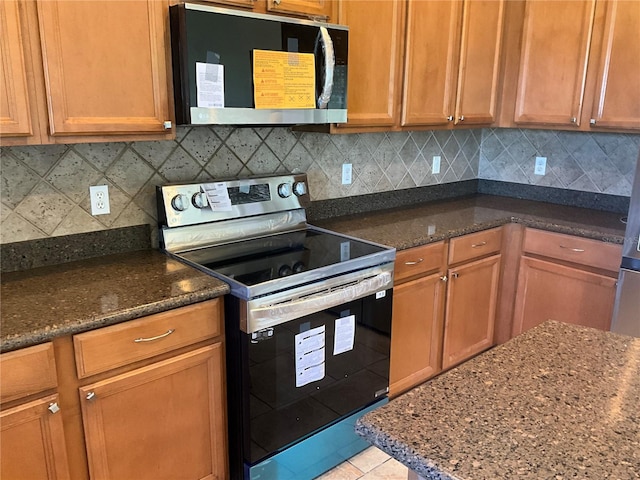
(261, 317)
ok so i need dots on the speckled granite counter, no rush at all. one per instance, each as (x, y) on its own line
(557, 402)
(406, 227)
(42, 303)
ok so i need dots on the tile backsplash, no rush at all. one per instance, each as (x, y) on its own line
(45, 189)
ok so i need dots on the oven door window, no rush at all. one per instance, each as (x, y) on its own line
(345, 368)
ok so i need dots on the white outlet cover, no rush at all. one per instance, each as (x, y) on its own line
(347, 173)
(435, 166)
(540, 166)
(99, 196)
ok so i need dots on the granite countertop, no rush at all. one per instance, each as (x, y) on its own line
(43, 303)
(405, 227)
(557, 402)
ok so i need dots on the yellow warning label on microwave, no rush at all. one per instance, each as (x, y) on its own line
(283, 79)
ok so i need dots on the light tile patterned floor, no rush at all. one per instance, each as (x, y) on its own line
(371, 464)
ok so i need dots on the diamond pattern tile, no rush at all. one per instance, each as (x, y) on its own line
(44, 189)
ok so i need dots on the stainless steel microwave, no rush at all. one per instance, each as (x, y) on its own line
(233, 67)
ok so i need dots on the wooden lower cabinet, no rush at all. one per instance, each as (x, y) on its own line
(416, 332)
(33, 442)
(162, 421)
(548, 290)
(471, 308)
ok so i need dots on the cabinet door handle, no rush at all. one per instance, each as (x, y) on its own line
(450, 118)
(53, 407)
(455, 274)
(461, 118)
(574, 120)
(90, 395)
(416, 262)
(157, 337)
(476, 245)
(577, 250)
(444, 278)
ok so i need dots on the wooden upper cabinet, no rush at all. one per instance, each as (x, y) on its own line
(616, 101)
(452, 62)
(375, 61)
(431, 61)
(479, 67)
(556, 37)
(105, 66)
(311, 8)
(15, 117)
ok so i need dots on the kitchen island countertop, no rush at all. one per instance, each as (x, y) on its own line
(557, 402)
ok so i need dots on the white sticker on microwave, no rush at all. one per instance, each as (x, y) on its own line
(209, 85)
(345, 334)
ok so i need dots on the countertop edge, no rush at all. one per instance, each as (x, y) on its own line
(36, 337)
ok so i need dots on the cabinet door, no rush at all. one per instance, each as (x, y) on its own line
(163, 421)
(617, 98)
(312, 8)
(375, 61)
(550, 291)
(415, 332)
(553, 63)
(479, 61)
(15, 117)
(431, 61)
(471, 309)
(105, 66)
(33, 444)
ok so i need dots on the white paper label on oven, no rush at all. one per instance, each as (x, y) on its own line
(218, 196)
(345, 251)
(345, 334)
(209, 85)
(310, 354)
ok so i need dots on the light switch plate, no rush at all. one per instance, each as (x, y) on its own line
(541, 166)
(346, 173)
(435, 166)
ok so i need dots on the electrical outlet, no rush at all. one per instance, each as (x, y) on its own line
(346, 173)
(541, 166)
(99, 195)
(435, 166)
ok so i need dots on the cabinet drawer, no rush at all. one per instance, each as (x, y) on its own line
(26, 372)
(583, 251)
(418, 260)
(475, 245)
(110, 347)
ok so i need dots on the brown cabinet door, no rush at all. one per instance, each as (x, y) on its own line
(471, 308)
(479, 67)
(312, 8)
(33, 444)
(553, 61)
(617, 98)
(163, 421)
(416, 332)
(105, 66)
(431, 62)
(15, 116)
(375, 61)
(550, 291)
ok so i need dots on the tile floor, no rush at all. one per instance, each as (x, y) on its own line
(371, 464)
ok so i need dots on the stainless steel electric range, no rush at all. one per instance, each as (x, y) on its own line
(307, 323)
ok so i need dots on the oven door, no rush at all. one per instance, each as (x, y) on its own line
(291, 381)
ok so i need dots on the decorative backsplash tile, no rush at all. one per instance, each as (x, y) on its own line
(45, 189)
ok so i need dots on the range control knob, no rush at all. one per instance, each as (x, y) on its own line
(300, 188)
(285, 271)
(284, 190)
(180, 202)
(199, 200)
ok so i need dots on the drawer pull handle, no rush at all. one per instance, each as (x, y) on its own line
(577, 250)
(420, 260)
(53, 407)
(158, 337)
(90, 396)
(476, 245)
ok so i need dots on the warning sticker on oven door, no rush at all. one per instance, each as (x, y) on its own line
(345, 334)
(310, 355)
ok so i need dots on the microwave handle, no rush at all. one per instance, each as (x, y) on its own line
(329, 62)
